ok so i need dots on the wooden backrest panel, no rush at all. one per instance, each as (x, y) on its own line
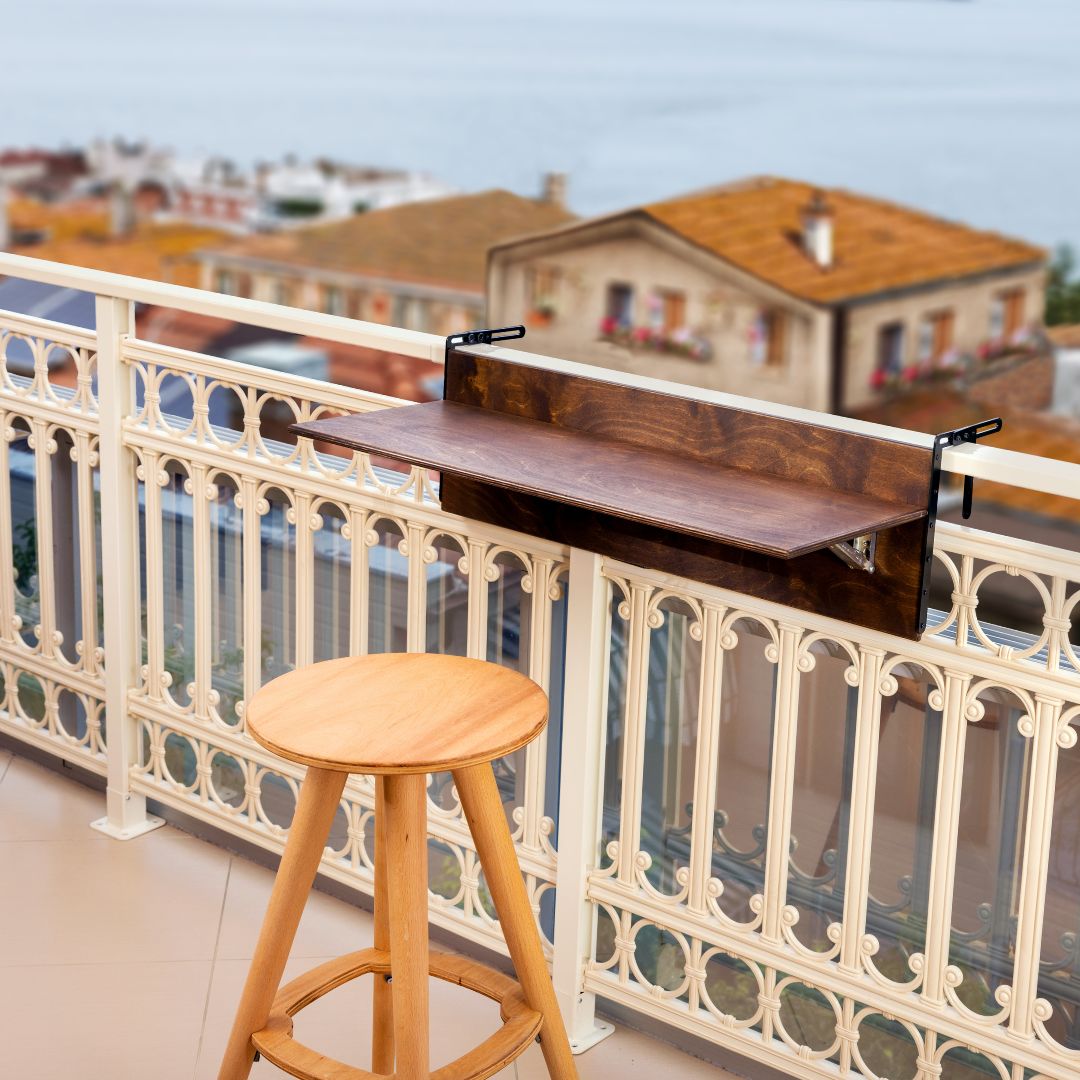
(778, 446)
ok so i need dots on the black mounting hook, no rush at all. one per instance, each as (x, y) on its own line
(484, 337)
(970, 434)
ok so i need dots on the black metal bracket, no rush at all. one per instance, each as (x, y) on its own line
(970, 434)
(484, 337)
(956, 437)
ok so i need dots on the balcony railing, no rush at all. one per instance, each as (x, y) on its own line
(824, 848)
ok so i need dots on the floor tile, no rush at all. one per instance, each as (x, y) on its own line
(626, 1054)
(340, 1023)
(39, 804)
(158, 897)
(103, 1021)
(329, 927)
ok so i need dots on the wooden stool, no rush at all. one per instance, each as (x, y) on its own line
(399, 716)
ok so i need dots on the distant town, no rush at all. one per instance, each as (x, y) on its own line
(766, 287)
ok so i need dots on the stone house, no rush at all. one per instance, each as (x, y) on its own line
(772, 289)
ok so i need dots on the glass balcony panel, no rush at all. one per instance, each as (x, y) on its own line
(447, 598)
(614, 747)
(731, 986)
(227, 780)
(909, 744)
(744, 750)
(447, 631)
(277, 799)
(557, 671)
(1059, 978)
(178, 583)
(659, 958)
(989, 853)
(332, 582)
(671, 733)
(71, 716)
(807, 1016)
(24, 551)
(885, 1047)
(227, 599)
(66, 524)
(508, 644)
(30, 699)
(277, 562)
(964, 1063)
(180, 760)
(821, 800)
(388, 590)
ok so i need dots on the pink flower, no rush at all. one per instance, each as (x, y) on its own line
(607, 326)
(642, 334)
(877, 379)
(910, 373)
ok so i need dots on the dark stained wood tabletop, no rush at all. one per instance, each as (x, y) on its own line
(770, 514)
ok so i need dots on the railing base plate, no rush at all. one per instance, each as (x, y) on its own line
(103, 825)
(601, 1029)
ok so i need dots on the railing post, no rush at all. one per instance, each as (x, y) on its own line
(126, 815)
(584, 732)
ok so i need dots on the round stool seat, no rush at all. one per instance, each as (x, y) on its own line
(397, 713)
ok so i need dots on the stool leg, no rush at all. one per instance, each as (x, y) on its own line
(405, 799)
(484, 813)
(382, 1013)
(319, 797)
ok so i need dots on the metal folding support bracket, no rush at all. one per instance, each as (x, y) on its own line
(858, 552)
(970, 434)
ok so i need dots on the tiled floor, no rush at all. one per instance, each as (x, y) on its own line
(124, 961)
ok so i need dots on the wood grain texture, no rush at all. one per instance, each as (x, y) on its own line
(483, 809)
(888, 600)
(405, 803)
(737, 438)
(397, 713)
(723, 495)
(771, 514)
(320, 794)
(520, 1023)
(382, 997)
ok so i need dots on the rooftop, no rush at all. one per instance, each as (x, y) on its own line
(78, 234)
(438, 241)
(879, 246)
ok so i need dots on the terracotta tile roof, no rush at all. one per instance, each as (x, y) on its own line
(437, 241)
(878, 246)
(1065, 337)
(78, 234)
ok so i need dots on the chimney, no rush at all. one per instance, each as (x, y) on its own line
(817, 222)
(5, 225)
(121, 211)
(553, 190)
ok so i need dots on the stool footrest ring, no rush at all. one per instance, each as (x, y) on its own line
(520, 1027)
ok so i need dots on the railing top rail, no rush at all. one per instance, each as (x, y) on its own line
(1027, 471)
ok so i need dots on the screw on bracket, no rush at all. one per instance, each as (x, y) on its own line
(484, 337)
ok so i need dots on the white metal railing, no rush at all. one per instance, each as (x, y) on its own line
(825, 848)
